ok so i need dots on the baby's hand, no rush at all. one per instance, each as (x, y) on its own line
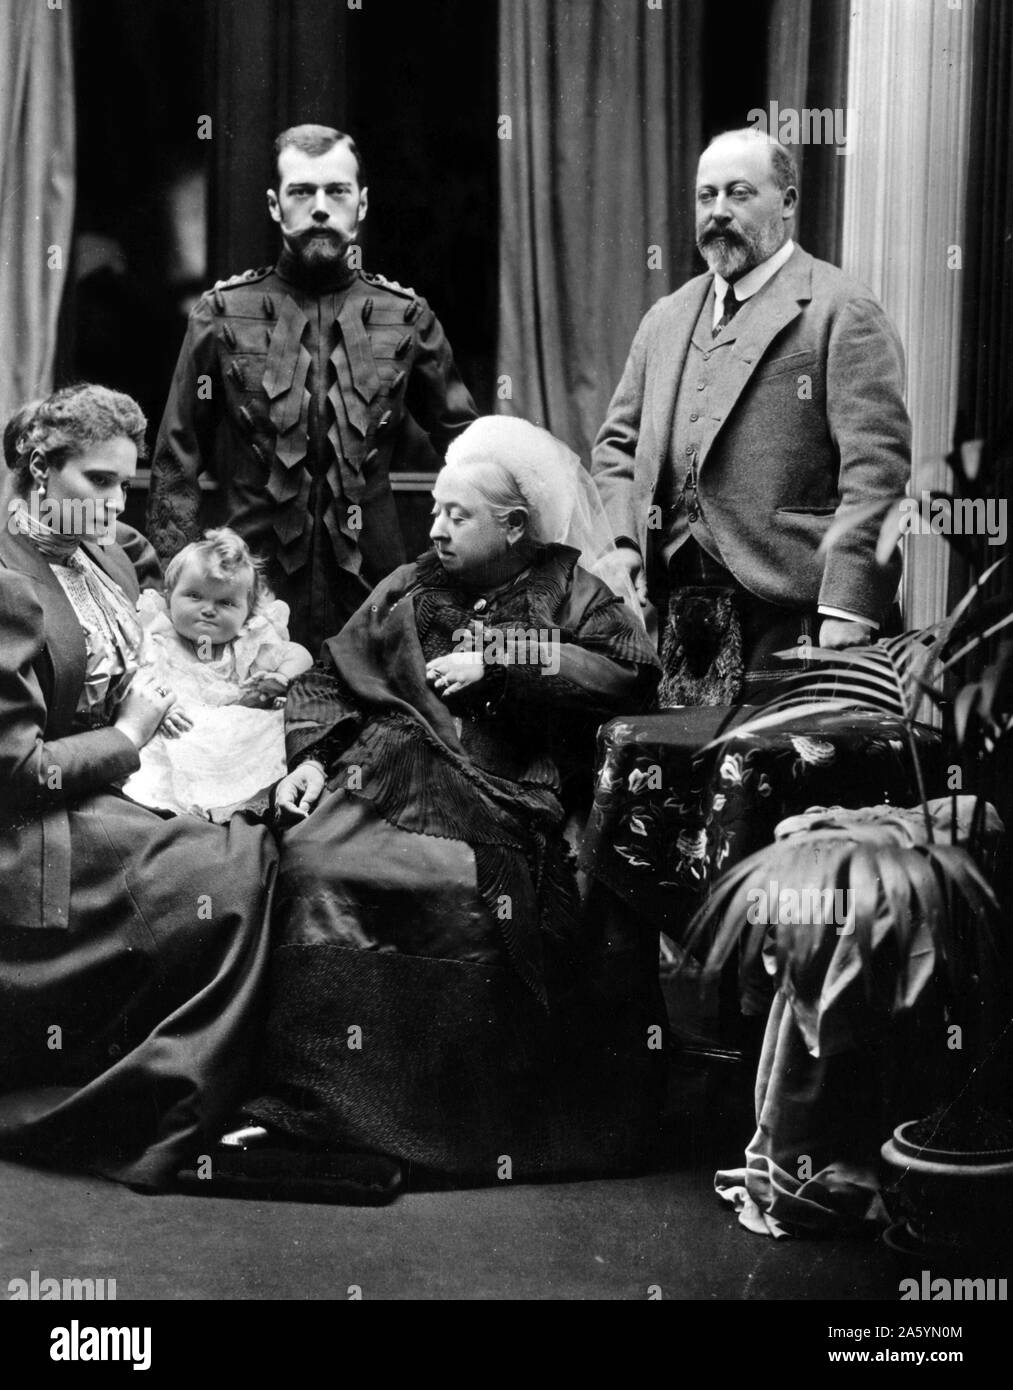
(176, 722)
(264, 689)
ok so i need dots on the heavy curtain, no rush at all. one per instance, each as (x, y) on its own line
(807, 67)
(275, 64)
(600, 130)
(37, 178)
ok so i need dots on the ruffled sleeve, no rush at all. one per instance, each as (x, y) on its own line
(596, 655)
(321, 717)
(263, 642)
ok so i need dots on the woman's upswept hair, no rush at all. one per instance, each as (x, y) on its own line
(69, 423)
(224, 555)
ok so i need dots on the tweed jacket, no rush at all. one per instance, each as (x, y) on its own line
(809, 421)
(44, 764)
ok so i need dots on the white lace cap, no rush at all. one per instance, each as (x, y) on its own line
(542, 467)
(563, 502)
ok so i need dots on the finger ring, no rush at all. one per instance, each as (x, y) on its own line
(160, 690)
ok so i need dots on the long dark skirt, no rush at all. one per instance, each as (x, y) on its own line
(397, 1025)
(126, 1039)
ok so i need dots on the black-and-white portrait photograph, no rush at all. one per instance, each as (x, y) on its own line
(506, 665)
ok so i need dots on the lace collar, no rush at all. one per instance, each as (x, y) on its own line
(547, 578)
(52, 544)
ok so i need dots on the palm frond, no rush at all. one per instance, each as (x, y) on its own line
(847, 521)
(977, 641)
(776, 718)
(966, 934)
(863, 884)
(895, 676)
(868, 662)
(996, 686)
(967, 460)
(975, 588)
(965, 707)
(879, 678)
(890, 532)
(905, 906)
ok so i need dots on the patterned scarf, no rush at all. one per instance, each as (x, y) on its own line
(53, 544)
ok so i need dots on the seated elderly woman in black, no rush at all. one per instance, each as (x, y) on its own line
(433, 989)
(132, 943)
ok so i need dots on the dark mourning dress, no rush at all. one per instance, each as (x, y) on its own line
(132, 944)
(436, 994)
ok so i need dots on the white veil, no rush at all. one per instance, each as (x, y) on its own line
(564, 505)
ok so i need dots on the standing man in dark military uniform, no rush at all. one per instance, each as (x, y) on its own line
(296, 388)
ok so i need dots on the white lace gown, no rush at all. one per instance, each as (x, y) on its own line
(232, 752)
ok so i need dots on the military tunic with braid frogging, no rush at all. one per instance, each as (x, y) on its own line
(298, 400)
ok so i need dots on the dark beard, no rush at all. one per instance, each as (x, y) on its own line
(318, 260)
(319, 250)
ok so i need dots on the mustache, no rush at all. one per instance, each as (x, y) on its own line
(328, 232)
(720, 234)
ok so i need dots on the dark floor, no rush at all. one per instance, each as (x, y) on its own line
(586, 1240)
(615, 1239)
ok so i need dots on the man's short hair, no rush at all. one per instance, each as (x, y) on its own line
(315, 140)
(782, 161)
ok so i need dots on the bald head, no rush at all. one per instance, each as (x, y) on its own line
(783, 168)
(746, 196)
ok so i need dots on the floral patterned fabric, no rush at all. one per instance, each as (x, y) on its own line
(669, 818)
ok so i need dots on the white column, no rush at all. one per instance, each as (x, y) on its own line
(909, 74)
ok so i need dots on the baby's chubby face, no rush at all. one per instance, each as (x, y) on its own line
(205, 609)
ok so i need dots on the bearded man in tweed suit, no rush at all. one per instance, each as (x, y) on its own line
(758, 402)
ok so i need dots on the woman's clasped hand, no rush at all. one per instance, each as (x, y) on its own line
(450, 674)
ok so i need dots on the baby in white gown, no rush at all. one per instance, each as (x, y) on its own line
(220, 644)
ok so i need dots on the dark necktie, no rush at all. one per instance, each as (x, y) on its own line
(732, 307)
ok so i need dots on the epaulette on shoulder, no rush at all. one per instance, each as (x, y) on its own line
(374, 278)
(245, 277)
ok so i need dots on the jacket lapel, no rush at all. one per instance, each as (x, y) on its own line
(116, 564)
(65, 655)
(778, 303)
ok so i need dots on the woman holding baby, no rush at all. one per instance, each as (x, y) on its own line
(435, 997)
(132, 942)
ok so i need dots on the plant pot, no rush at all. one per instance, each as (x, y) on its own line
(948, 1200)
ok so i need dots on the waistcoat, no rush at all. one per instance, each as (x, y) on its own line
(699, 387)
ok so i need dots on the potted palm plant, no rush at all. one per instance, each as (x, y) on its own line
(922, 932)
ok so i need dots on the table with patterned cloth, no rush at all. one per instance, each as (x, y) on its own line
(669, 818)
